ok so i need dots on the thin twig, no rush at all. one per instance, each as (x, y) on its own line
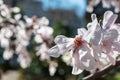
(102, 72)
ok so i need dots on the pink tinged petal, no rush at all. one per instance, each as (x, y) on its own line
(116, 4)
(87, 58)
(76, 61)
(109, 19)
(103, 58)
(111, 58)
(111, 35)
(116, 27)
(89, 9)
(44, 56)
(96, 51)
(103, 61)
(106, 3)
(94, 2)
(106, 46)
(24, 60)
(89, 62)
(77, 64)
(116, 46)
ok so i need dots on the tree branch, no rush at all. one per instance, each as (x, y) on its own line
(102, 72)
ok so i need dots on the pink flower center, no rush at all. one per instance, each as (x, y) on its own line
(78, 41)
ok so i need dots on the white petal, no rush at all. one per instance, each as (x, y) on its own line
(96, 37)
(116, 46)
(111, 35)
(7, 54)
(109, 19)
(106, 3)
(16, 9)
(54, 51)
(38, 39)
(24, 60)
(96, 51)
(60, 39)
(81, 31)
(43, 21)
(93, 17)
(76, 61)
(76, 70)
(77, 64)
(45, 30)
(18, 16)
(93, 34)
(112, 59)
(87, 58)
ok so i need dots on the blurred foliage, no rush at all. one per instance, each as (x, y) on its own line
(62, 29)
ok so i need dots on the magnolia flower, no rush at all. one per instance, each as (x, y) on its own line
(109, 37)
(79, 49)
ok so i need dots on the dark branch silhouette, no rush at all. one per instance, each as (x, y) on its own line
(102, 72)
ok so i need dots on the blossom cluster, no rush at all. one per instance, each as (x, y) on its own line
(105, 4)
(17, 32)
(93, 48)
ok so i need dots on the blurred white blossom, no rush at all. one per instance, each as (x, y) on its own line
(105, 4)
(53, 67)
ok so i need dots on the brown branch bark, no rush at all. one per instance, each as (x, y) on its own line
(102, 72)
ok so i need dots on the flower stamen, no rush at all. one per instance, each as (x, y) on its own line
(78, 41)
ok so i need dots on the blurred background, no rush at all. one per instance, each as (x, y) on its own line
(60, 17)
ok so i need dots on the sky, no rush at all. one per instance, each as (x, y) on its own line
(78, 6)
